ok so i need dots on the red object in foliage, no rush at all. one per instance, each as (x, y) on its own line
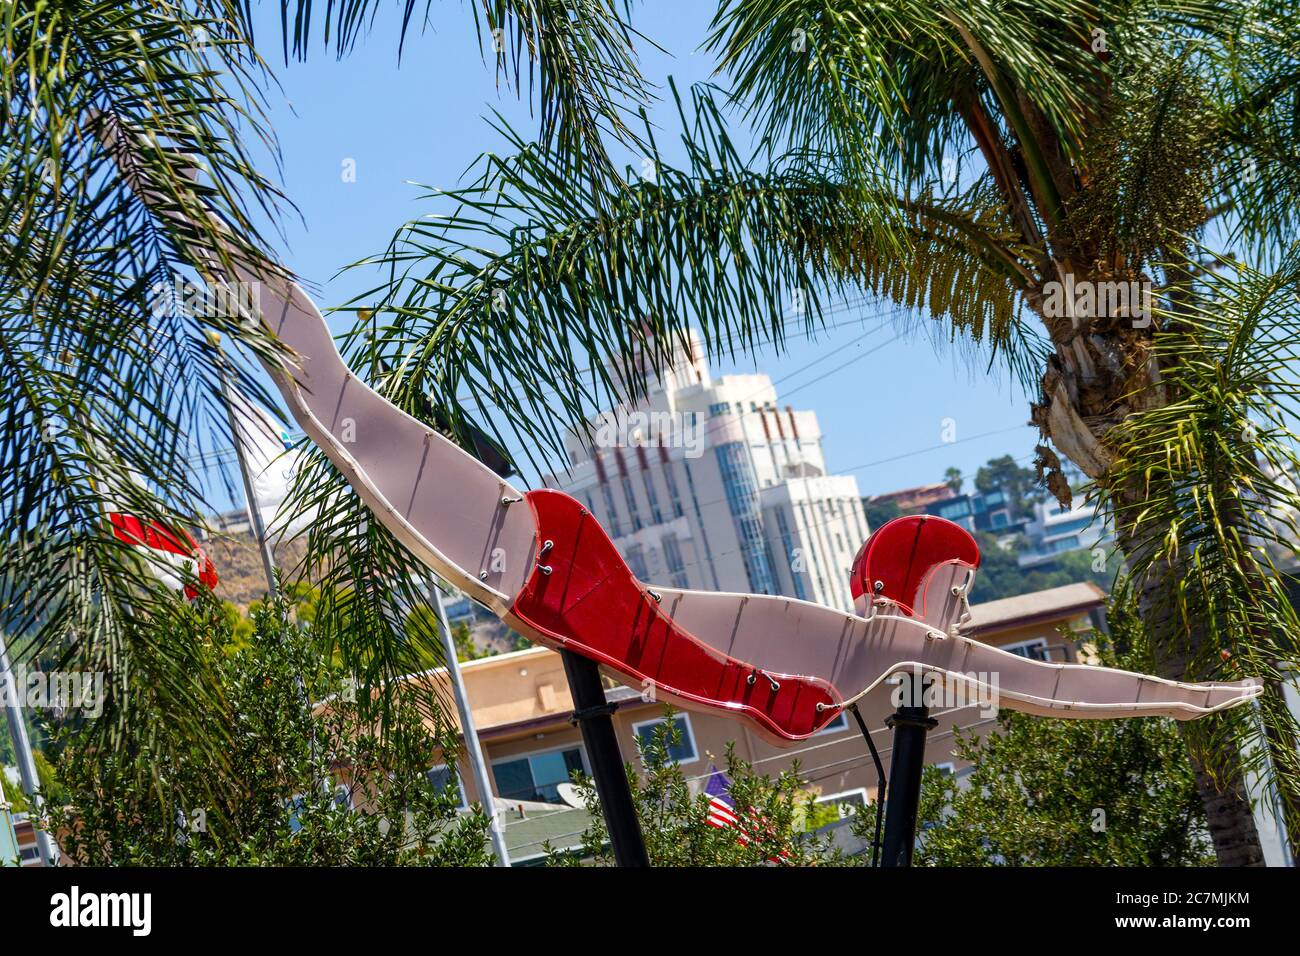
(156, 537)
(583, 596)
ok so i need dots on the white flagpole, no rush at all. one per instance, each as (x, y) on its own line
(473, 749)
(23, 754)
(250, 494)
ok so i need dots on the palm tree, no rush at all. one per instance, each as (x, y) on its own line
(113, 380)
(999, 167)
(969, 160)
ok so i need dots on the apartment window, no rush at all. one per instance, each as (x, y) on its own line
(1034, 649)
(719, 408)
(440, 778)
(841, 722)
(674, 498)
(635, 557)
(673, 558)
(849, 802)
(611, 513)
(683, 751)
(632, 512)
(537, 776)
(656, 516)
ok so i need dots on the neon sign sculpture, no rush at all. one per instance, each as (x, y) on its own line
(786, 666)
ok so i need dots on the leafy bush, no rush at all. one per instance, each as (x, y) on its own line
(773, 816)
(281, 793)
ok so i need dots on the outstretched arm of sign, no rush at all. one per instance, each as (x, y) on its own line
(543, 563)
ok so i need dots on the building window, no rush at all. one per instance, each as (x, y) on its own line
(671, 481)
(849, 802)
(343, 796)
(295, 806)
(1074, 524)
(719, 408)
(841, 722)
(440, 778)
(683, 751)
(704, 534)
(1034, 649)
(673, 558)
(632, 512)
(537, 777)
(787, 542)
(656, 516)
(636, 562)
(742, 499)
(954, 510)
(611, 513)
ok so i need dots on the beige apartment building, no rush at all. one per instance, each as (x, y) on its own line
(522, 707)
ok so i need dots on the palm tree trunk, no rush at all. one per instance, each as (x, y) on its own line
(1228, 817)
(1228, 814)
(1092, 383)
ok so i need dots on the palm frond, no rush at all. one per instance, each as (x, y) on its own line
(880, 80)
(1257, 91)
(499, 303)
(372, 605)
(112, 382)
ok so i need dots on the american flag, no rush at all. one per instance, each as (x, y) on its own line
(722, 813)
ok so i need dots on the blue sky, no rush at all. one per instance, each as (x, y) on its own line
(424, 120)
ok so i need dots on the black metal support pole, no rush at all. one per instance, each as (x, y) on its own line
(592, 714)
(910, 724)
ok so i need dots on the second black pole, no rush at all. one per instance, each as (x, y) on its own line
(593, 713)
(911, 722)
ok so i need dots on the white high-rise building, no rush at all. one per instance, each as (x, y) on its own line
(709, 485)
